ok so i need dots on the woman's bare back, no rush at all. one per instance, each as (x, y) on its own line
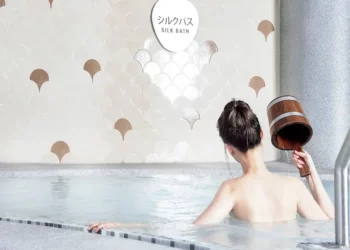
(262, 198)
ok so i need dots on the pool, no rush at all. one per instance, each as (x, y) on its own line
(168, 199)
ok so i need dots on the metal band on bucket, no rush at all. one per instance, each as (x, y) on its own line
(280, 117)
(283, 98)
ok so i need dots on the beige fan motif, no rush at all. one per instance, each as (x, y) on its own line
(60, 148)
(257, 83)
(92, 67)
(123, 126)
(266, 27)
(39, 76)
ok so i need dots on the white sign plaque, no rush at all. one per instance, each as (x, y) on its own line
(175, 23)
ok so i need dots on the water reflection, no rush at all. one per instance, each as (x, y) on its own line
(170, 201)
(60, 188)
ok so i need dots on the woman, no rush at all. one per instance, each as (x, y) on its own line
(258, 195)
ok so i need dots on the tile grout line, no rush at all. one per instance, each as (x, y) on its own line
(152, 239)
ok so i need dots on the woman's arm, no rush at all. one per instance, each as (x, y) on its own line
(219, 208)
(316, 187)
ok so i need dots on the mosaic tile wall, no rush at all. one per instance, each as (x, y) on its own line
(88, 82)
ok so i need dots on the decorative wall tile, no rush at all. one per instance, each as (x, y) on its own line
(92, 67)
(39, 76)
(167, 100)
(60, 149)
(152, 69)
(123, 126)
(143, 57)
(191, 116)
(266, 27)
(257, 83)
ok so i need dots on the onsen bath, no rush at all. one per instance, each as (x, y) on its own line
(168, 198)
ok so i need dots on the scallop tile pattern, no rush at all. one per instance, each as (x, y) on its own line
(104, 64)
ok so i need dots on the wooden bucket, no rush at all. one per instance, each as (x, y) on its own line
(289, 127)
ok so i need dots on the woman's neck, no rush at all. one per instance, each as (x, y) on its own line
(252, 161)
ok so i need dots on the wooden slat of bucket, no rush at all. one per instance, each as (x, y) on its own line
(284, 107)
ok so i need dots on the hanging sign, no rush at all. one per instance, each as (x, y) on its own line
(175, 23)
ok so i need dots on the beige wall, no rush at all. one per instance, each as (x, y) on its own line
(97, 61)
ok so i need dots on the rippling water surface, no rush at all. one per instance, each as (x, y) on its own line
(168, 202)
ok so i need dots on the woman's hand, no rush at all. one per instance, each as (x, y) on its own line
(103, 225)
(300, 158)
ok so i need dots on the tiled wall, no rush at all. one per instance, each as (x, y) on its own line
(87, 81)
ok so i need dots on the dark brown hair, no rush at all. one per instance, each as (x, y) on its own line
(239, 126)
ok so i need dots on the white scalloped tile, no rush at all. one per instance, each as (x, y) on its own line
(211, 72)
(171, 69)
(143, 81)
(153, 92)
(182, 102)
(162, 81)
(122, 56)
(114, 157)
(152, 114)
(152, 69)
(114, 42)
(113, 68)
(152, 45)
(161, 57)
(200, 58)
(142, 32)
(103, 78)
(122, 79)
(162, 148)
(181, 81)
(71, 158)
(142, 103)
(114, 92)
(132, 91)
(133, 69)
(132, 21)
(112, 32)
(191, 115)
(192, 48)
(49, 158)
(191, 70)
(123, 31)
(113, 137)
(120, 154)
(115, 18)
(104, 31)
(191, 93)
(172, 92)
(133, 158)
(181, 58)
(202, 83)
(103, 103)
(153, 158)
(181, 149)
